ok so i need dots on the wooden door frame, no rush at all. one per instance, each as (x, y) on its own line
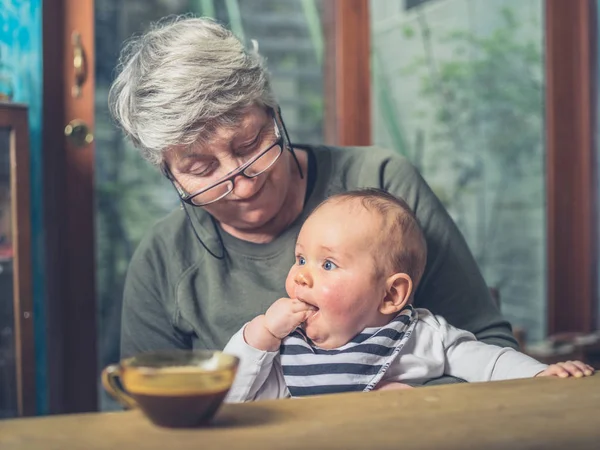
(347, 72)
(571, 105)
(14, 118)
(72, 371)
(571, 102)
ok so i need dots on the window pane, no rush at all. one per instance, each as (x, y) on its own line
(130, 194)
(8, 367)
(458, 89)
(597, 99)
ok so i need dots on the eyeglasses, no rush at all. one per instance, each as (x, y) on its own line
(252, 168)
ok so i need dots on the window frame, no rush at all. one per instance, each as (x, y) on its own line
(570, 133)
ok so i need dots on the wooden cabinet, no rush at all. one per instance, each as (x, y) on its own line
(17, 359)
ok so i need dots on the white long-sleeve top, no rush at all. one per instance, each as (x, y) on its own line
(435, 348)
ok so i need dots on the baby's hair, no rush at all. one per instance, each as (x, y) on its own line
(402, 245)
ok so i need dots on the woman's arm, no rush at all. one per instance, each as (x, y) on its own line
(147, 321)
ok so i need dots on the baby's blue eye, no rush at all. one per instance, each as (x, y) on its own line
(328, 265)
(301, 261)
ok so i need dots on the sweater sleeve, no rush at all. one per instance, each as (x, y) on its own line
(473, 361)
(148, 319)
(259, 375)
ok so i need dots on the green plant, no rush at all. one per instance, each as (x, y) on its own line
(476, 133)
(488, 111)
(488, 96)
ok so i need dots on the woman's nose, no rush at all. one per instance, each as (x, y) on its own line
(244, 187)
(303, 278)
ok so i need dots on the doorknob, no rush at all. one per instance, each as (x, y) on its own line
(79, 65)
(78, 133)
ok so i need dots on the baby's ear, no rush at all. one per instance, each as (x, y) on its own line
(398, 291)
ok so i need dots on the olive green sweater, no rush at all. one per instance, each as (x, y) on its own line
(179, 296)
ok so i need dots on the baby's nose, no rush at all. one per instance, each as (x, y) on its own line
(303, 278)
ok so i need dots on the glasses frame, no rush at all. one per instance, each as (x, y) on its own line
(282, 142)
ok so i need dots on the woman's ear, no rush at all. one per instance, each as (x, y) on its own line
(398, 291)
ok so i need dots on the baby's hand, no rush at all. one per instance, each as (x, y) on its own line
(565, 369)
(266, 331)
(391, 386)
(285, 315)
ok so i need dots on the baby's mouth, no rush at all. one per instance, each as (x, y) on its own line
(315, 313)
(313, 306)
(315, 310)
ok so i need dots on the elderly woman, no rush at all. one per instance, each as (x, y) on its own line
(199, 106)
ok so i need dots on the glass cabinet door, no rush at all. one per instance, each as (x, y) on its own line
(17, 376)
(8, 398)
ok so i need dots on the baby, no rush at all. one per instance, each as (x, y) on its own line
(348, 324)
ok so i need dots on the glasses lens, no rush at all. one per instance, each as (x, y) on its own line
(213, 194)
(264, 162)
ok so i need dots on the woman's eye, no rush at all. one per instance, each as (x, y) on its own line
(202, 171)
(328, 265)
(301, 261)
(246, 150)
(249, 148)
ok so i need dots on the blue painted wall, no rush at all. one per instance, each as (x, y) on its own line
(21, 51)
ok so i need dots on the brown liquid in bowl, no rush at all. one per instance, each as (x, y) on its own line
(176, 411)
(178, 389)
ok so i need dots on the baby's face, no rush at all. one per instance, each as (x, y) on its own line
(335, 271)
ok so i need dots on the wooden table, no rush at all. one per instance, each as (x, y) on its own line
(546, 413)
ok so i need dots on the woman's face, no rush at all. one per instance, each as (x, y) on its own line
(254, 202)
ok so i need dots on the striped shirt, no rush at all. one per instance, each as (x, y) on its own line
(356, 366)
(432, 348)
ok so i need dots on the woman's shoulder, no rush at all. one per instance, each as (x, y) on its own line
(162, 233)
(358, 167)
(168, 242)
(360, 154)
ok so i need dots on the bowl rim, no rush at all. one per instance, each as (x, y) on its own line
(159, 359)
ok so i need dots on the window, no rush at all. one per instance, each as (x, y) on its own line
(458, 88)
(408, 4)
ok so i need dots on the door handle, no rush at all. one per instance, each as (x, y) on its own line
(78, 133)
(79, 65)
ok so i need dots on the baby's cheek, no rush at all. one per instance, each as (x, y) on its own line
(290, 286)
(334, 299)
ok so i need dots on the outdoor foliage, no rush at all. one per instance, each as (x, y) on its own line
(476, 134)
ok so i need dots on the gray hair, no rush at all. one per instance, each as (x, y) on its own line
(183, 79)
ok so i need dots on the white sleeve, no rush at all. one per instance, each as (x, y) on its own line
(259, 375)
(473, 360)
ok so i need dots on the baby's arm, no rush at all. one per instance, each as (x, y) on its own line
(476, 361)
(257, 344)
(256, 372)
(576, 369)
(473, 361)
